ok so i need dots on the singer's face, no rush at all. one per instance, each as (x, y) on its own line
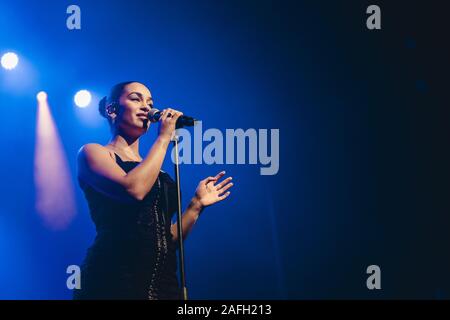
(135, 101)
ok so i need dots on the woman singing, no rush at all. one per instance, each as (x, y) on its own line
(131, 202)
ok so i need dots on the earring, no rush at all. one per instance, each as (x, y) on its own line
(111, 108)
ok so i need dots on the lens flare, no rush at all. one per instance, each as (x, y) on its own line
(82, 98)
(9, 60)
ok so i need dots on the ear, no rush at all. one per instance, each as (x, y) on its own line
(111, 109)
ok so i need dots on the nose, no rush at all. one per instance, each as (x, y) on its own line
(145, 108)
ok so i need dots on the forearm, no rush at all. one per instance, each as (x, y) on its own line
(144, 175)
(189, 218)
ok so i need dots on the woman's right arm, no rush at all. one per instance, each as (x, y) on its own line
(97, 168)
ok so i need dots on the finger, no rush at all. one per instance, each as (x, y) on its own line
(166, 113)
(225, 188)
(220, 185)
(208, 179)
(224, 196)
(163, 115)
(220, 175)
(171, 113)
(177, 115)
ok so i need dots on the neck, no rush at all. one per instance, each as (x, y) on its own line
(128, 145)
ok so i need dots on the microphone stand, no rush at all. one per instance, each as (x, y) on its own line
(179, 217)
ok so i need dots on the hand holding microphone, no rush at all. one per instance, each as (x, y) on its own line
(182, 121)
(170, 119)
(167, 120)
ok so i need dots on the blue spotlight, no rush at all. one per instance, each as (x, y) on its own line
(82, 98)
(9, 60)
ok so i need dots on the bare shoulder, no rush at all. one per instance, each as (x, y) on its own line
(91, 151)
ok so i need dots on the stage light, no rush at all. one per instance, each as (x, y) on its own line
(9, 60)
(41, 96)
(82, 98)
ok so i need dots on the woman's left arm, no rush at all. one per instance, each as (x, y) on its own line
(208, 192)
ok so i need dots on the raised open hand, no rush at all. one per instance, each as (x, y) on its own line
(210, 190)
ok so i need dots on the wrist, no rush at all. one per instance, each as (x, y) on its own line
(164, 139)
(196, 205)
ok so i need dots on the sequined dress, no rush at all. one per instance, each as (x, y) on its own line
(133, 255)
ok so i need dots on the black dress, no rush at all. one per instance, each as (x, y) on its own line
(133, 256)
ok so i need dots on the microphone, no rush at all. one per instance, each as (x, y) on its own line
(183, 121)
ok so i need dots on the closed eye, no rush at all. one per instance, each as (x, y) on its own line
(133, 97)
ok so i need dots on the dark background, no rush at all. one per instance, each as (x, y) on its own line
(363, 118)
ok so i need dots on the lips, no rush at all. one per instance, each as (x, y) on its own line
(142, 116)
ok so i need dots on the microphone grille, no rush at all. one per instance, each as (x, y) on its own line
(152, 113)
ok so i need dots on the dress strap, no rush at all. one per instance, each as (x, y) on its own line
(118, 158)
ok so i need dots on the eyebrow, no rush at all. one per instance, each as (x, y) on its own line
(140, 95)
